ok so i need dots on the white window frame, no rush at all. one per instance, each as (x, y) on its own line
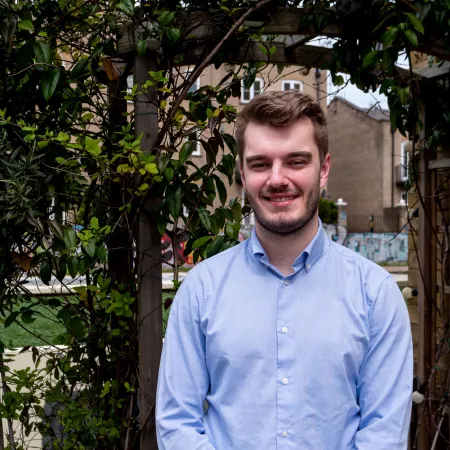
(130, 84)
(196, 85)
(404, 159)
(251, 90)
(198, 145)
(285, 83)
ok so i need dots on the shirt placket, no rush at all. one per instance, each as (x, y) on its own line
(285, 376)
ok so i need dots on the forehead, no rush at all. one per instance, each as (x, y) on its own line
(269, 141)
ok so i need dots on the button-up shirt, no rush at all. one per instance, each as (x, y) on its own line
(320, 359)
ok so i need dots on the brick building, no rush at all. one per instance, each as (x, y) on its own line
(369, 167)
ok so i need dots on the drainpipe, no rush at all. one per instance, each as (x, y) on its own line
(318, 85)
(393, 165)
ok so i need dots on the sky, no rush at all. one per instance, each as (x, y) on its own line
(352, 94)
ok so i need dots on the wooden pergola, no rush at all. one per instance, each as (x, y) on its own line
(293, 49)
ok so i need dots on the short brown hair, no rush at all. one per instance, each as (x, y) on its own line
(280, 109)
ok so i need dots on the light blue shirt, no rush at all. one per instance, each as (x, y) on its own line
(317, 360)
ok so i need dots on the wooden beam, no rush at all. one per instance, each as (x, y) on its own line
(427, 281)
(443, 163)
(148, 247)
(297, 41)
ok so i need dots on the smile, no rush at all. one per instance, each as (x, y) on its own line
(281, 199)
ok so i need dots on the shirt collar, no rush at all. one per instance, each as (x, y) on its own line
(308, 257)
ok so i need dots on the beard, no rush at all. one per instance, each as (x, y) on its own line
(284, 226)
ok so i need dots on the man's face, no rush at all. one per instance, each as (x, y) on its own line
(282, 175)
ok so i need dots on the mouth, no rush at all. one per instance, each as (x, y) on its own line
(280, 200)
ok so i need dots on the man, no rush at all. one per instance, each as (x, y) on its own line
(294, 341)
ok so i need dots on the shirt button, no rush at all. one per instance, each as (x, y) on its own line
(308, 266)
(284, 433)
(285, 381)
(286, 283)
(284, 330)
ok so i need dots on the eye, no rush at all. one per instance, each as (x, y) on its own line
(297, 163)
(259, 165)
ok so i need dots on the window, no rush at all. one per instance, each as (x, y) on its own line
(255, 89)
(198, 146)
(293, 85)
(196, 85)
(404, 159)
(130, 83)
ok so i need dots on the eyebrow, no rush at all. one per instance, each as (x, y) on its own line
(304, 154)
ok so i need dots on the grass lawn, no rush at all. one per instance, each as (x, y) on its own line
(16, 335)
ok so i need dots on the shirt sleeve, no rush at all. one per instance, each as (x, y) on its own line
(386, 374)
(183, 380)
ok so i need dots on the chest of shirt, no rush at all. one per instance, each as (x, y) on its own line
(306, 320)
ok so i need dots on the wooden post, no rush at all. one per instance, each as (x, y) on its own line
(426, 289)
(148, 254)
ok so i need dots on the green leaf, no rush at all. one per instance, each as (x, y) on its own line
(200, 242)
(141, 46)
(26, 25)
(389, 36)
(77, 328)
(215, 246)
(165, 18)
(57, 229)
(169, 173)
(186, 151)
(338, 80)
(61, 269)
(70, 238)
(370, 59)
(72, 266)
(89, 247)
(8, 29)
(151, 168)
(174, 34)
(45, 271)
(43, 52)
(93, 146)
(173, 198)
(403, 94)
(93, 223)
(412, 37)
(229, 230)
(127, 7)
(263, 49)
(49, 82)
(416, 23)
(79, 68)
(11, 319)
(221, 189)
(161, 223)
(205, 218)
(231, 143)
(237, 212)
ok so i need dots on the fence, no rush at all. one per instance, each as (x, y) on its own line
(379, 224)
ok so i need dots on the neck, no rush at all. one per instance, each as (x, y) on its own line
(281, 250)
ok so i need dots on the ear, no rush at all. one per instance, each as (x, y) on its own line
(325, 171)
(241, 171)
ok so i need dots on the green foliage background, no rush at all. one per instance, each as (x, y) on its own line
(70, 155)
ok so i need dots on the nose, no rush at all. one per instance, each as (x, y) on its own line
(277, 177)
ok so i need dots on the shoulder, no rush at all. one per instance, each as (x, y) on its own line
(371, 276)
(214, 266)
